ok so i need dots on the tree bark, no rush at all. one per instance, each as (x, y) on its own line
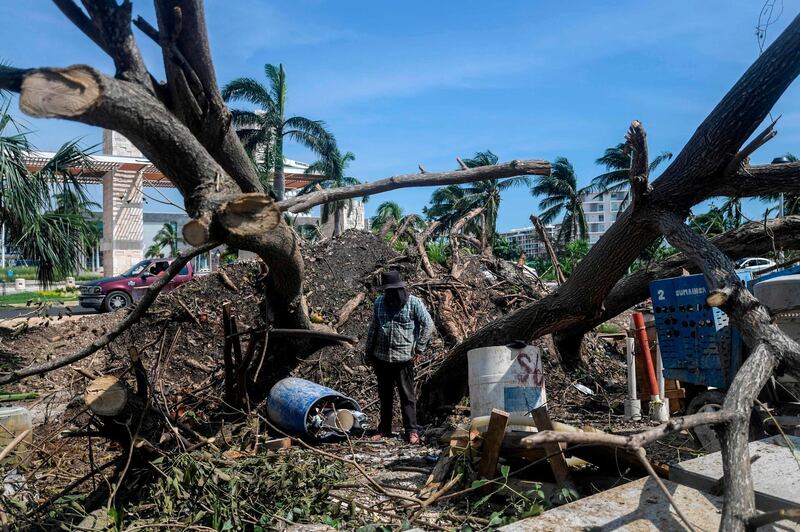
(421, 240)
(754, 238)
(497, 171)
(769, 346)
(454, 232)
(698, 172)
(537, 223)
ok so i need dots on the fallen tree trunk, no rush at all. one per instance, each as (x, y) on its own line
(537, 223)
(711, 161)
(754, 238)
(421, 242)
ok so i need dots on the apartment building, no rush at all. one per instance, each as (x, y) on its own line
(601, 211)
(528, 239)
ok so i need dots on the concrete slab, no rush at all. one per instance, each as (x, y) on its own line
(637, 506)
(776, 472)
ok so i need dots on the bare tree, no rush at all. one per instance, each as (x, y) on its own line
(184, 127)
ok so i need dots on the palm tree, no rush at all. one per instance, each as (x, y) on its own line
(333, 168)
(617, 161)
(732, 212)
(486, 193)
(154, 252)
(480, 198)
(73, 203)
(167, 237)
(711, 223)
(308, 232)
(266, 128)
(561, 193)
(34, 224)
(445, 205)
(387, 211)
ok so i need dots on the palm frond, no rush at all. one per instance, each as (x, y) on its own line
(249, 90)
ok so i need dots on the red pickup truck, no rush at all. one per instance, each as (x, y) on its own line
(113, 293)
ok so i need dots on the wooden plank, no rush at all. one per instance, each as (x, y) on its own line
(277, 443)
(554, 450)
(680, 393)
(492, 441)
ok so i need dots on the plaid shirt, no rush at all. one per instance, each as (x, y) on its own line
(395, 334)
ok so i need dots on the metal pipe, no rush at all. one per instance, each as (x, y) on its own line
(630, 355)
(641, 335)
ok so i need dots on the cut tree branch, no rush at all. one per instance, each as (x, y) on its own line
(697, 173)
(138, 311)
(770, 346)
(754, 238)
(497, 171)
(548, 245)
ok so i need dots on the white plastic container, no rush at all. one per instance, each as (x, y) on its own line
(506, 378)
(14, 421)
(19, 284)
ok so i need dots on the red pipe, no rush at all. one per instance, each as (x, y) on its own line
(641, 335)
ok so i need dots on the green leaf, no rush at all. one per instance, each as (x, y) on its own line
(478, 483)
(505, 470)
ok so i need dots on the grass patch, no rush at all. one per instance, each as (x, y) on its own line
(29, 274)
(45, 296)
(608, 328)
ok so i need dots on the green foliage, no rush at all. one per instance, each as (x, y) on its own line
(438, 252)
(246, 493)
(562, 194)
(452, 202)
(388, 210)
(263, 130)
(572, 254)
(543, 268)
(333, 167)
(168, 237)
(617, 161)
(516, 504)
(607, 328)
(37, 298)
(506, 249)
(44, 211)
(31, 273)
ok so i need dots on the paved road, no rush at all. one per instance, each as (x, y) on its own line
(6, 313)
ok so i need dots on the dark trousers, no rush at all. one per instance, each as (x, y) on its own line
(400, 374)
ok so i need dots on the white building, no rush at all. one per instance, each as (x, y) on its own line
(125, 174)
(527, 238)
(601, 211)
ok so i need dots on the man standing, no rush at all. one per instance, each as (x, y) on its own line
(399, 333)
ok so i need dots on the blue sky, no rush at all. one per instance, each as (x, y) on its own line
(423, 82)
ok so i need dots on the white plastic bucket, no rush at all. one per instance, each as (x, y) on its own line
(14, 421)
(506, 378)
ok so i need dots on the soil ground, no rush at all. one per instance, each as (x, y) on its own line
(181, 342)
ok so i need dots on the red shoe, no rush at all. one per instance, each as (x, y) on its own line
(413, 438)
(379, 436)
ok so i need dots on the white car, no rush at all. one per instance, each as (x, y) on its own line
(754, 264)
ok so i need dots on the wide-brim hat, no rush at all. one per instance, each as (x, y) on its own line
(390, 279)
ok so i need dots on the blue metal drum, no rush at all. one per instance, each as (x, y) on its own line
(291, 400)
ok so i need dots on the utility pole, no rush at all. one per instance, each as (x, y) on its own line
(3, 246)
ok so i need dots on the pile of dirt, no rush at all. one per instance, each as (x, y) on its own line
(181, 338)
